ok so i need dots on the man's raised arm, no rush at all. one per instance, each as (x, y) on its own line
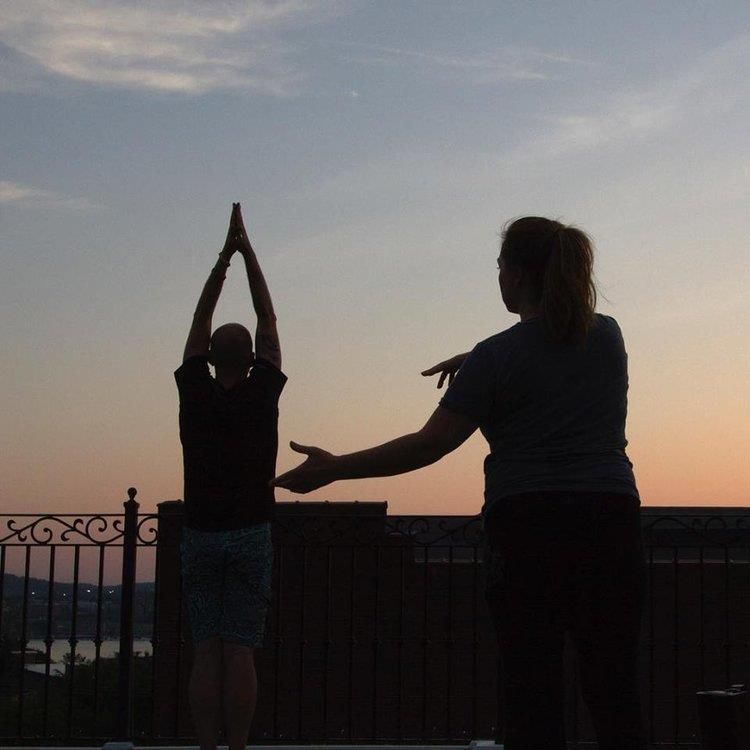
(267, 344)
(199, 337)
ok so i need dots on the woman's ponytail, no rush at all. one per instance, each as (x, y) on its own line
(568, 291)
(558, 261)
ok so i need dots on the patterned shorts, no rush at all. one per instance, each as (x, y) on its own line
(226, 582)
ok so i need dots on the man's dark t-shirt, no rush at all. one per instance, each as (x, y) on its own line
(229, 444)
(553, 414)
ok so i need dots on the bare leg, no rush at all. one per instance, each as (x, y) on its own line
(240, 692)
(205, 692)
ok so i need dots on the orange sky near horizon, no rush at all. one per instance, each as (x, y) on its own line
(687, 443)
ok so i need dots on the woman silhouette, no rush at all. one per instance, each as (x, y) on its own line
(562, 511)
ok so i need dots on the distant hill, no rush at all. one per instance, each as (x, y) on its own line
(13, 587)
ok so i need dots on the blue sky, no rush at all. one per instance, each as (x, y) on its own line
(377, 149)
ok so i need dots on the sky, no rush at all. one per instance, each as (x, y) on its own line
(377, 149)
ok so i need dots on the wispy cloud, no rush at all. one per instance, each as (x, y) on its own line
(624, 116)
(508, 63)
(705, 89)
(165, 45)
(24, 195)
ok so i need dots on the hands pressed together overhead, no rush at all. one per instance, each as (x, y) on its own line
(237, 240)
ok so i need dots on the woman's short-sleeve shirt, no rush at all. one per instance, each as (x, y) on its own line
(553, 414)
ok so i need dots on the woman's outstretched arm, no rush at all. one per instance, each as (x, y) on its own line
(444, 432)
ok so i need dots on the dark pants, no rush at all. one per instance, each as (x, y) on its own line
(567, 561)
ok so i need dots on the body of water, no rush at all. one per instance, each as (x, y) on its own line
(84, 648)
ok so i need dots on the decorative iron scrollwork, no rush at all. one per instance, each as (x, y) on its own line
(698, 530)
(148, 529)
(74, 529)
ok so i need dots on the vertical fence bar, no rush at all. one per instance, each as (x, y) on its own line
(278, 642)
(425, 637)
(48, 639)
(125, 677)
(727, 637)
(375, 644)
(574, 692)
(73, 640)
(98, 635)
(154, 641)
(449, 645)
(702, 634)
(178, 663)
(2, 587)
(352, 639)
(302, 643)
(474, 639)
(327, 639)
(651, 644)
(2, 597)
(23, 640)
(676, 644)
(400, 650)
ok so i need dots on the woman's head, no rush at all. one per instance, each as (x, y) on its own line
(548, 266)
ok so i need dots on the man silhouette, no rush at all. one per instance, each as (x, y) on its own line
(229, 435)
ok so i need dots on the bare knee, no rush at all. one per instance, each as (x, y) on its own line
(239, 674)
(205, 682)
(237, 656)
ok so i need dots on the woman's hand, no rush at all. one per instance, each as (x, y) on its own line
(318, 470)
(447, 369)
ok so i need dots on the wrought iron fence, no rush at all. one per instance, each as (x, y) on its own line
(68, 696)
(378, 630)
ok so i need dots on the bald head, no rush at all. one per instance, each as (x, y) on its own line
(231, 346)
